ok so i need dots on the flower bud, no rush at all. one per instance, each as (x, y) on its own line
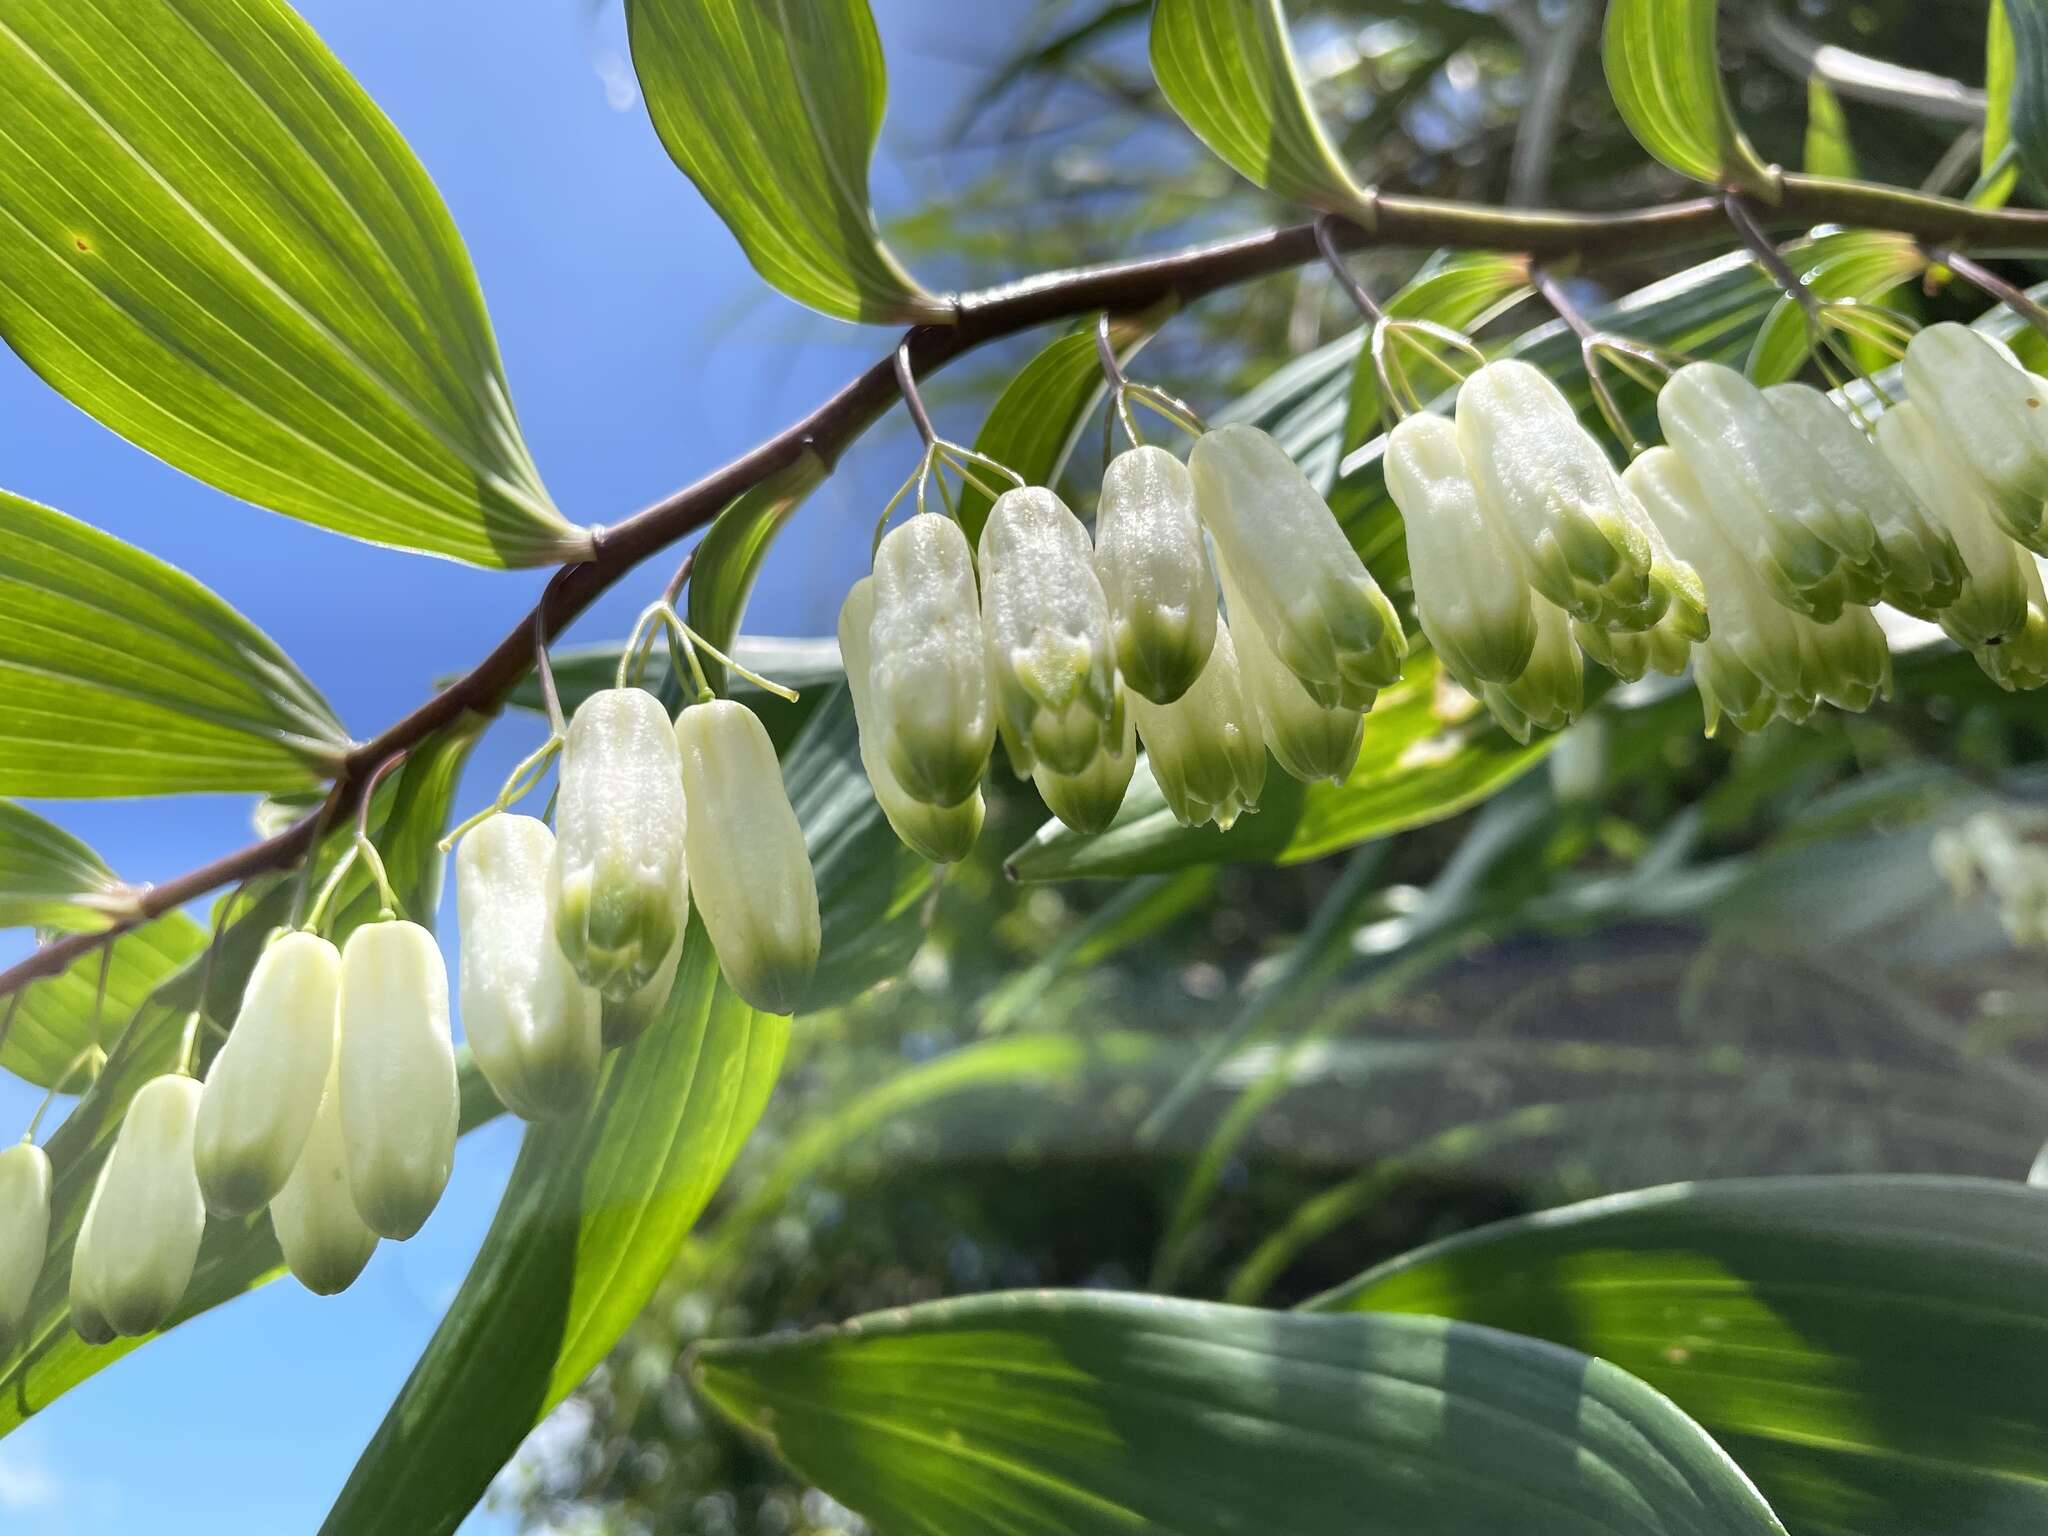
(943, 834)
(399, 1099)
(1551, 691)
(618, 864)
(2019, 662)
(1205, 747)
(1301, 583)
(1751, 667)
(264, 1083)
(1155, 573)
(24, 1235)
(928, 677)
(755, 889)
(1923, 569)
(148, 1216)
(1846, 662)
(1050, 655)
(1089, 800)
(1309, 741)
(318, 1228)
(1995, 417)
(531, 1024)
(1769, 491)
(622, 1020)
(1471, 597)
(88, 1321)
(1548, 486)
(1992, 603)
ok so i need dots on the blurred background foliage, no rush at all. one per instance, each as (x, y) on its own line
(1656, 957)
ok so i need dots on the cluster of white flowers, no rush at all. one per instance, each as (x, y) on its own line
(1751, 546)
(1075, 652)
(334, 1099)
(1992, 852)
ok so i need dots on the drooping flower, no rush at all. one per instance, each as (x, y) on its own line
(1205, 748)
(1046, 629)
(531, 1024)
(1471, 597)
(264, 1084)
(1846, 661)
(148, 1214)
(1299, 580)
(1310, 741)
(755, 889)
(1769, 491)
(942, 833)
(1923, 569)
(1089, 800)
(1551, 691)
(1667, 644)
(323, 1238)
(1994, 415)
(1155, 572)
(24, 1235)
(619, 824)
(928, 675)
(2019, 663)
(399, 1100)
(1548, 486)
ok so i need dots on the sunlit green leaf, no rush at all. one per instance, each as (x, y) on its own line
(1664, 72)
(1828, 150)
(1227, 67)
(1869, 1349)
(56, 1018)
(772, 107)
(1859, 264)
(729, 557)
(120, 675)
(1997, 161)
(216, 244)
(1099, 1412)
(48, 878)
(2028, 118)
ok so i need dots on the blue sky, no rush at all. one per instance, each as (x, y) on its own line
(642, 351)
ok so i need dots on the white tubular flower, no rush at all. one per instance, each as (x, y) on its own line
(1155, 573)
(1205, 748)
(1300, 581)
(1994, 415)
(148, 1215)
(1769, 491)
(2019, 663)
(1845, 662)
(1089, 800)
(1548, 486)
(324, 1241)
(928, 676)
(622, 1020)
(1551, 691)
(942, 833)
(87, 1320)
(24, 1235)
(1752, 667)
(1309, 741)
(1923, 569)
(399, 1098)
(1666, 645)
(264, 1084)
(619, 820)
(1471, 597)
(1992, 603)
(755, 889)
(1047, 630)
(531, 1024)
(2015, 870)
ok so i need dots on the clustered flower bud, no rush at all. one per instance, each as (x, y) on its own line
(1995, 415)
(1205, 747)
(1155, 573)
(140, 1239)
(399, 1100)
(927, 672)
(324, 1240)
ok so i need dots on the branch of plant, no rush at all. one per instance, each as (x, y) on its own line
(990, 315)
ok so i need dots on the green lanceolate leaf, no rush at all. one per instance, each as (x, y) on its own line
(592, 1217)
(217, 245)
(1998, 158)
(1228, 69)
(1828, 150)
(729, 557)
(406, 816)
(1100, 1412)
(2028, 123)
(773, 107)
(49, 879)
(1460, 292)
(1862, 265)
(121, 675)
(1429, 753)
(57, 1018)
(1037, 421)
(1869, 1349)
(1664, 72)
